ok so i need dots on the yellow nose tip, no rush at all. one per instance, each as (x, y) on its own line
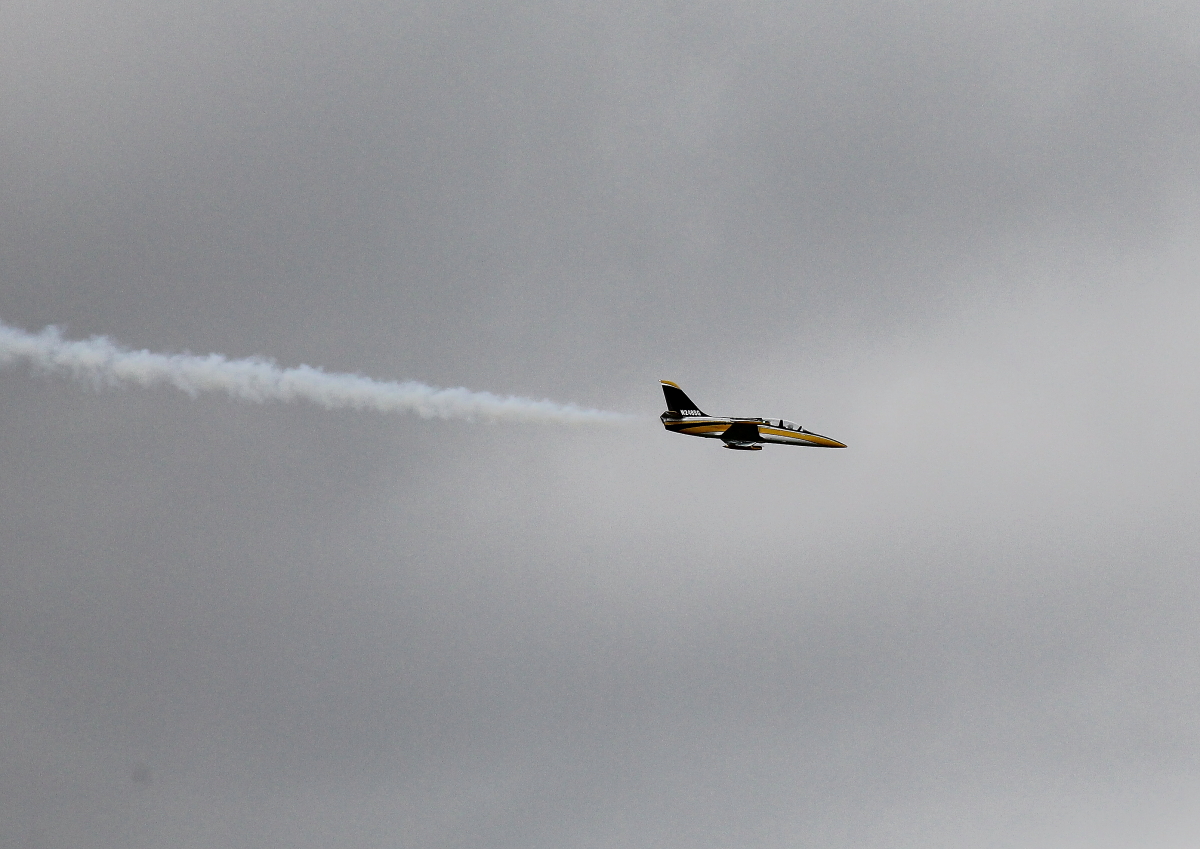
(826, 442)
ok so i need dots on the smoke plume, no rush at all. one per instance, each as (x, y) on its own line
(105, 364)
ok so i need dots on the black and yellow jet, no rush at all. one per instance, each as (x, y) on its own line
(683, 416)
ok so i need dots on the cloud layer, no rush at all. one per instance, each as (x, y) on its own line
(959, 237)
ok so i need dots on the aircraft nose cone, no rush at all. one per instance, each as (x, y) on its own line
(825, 441)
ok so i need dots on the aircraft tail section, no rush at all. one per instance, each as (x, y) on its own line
(678, 401)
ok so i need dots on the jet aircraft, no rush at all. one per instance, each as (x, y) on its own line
(683, 416)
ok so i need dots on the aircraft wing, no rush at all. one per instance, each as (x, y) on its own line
(741, 432)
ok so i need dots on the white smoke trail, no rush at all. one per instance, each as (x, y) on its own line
(103, 363)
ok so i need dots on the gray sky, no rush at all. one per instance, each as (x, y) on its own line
(960, 238)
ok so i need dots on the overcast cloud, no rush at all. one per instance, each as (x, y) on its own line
(959, 238)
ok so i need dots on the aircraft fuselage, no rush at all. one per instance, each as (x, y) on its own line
(744, 434)
(715, 428)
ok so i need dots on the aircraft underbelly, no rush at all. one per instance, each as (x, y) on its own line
(783, 440)
(786, 440)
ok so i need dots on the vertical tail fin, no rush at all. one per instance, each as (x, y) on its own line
(678, 401)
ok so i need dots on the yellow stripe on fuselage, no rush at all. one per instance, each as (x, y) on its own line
(809, 438)
(703, 429)
(697, 426)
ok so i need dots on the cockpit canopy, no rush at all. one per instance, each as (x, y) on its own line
(783, 423)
